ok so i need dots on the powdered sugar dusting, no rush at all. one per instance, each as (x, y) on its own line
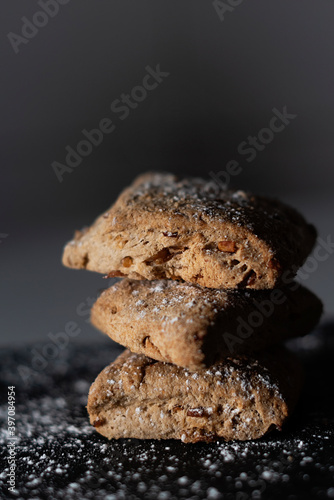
(165, 298)
(59, 455)
(205, 200)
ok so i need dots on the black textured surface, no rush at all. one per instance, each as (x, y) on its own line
(60, 456)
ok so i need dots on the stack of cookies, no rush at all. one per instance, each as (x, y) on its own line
(206, 299)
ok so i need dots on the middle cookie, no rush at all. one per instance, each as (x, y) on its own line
(194, 327)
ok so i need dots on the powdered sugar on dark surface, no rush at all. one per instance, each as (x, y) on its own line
(59, 455)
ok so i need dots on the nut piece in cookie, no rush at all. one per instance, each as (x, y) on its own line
(242, 398)
(191, 229)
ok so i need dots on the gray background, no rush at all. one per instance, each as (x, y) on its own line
(225, 79)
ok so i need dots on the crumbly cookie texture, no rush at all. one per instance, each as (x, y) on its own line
(194, 327)
(242, 398)
(191, 229)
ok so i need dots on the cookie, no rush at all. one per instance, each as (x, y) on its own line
(242, 398)
(193, 326)
(191, 229)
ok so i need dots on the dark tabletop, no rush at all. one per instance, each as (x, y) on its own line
(59, 455)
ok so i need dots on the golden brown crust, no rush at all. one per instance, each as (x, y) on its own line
(190, 229)
(193, 326)
(242, 398)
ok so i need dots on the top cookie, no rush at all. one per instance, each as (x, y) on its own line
(191, 229)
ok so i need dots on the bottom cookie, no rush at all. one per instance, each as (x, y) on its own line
(241, 398)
